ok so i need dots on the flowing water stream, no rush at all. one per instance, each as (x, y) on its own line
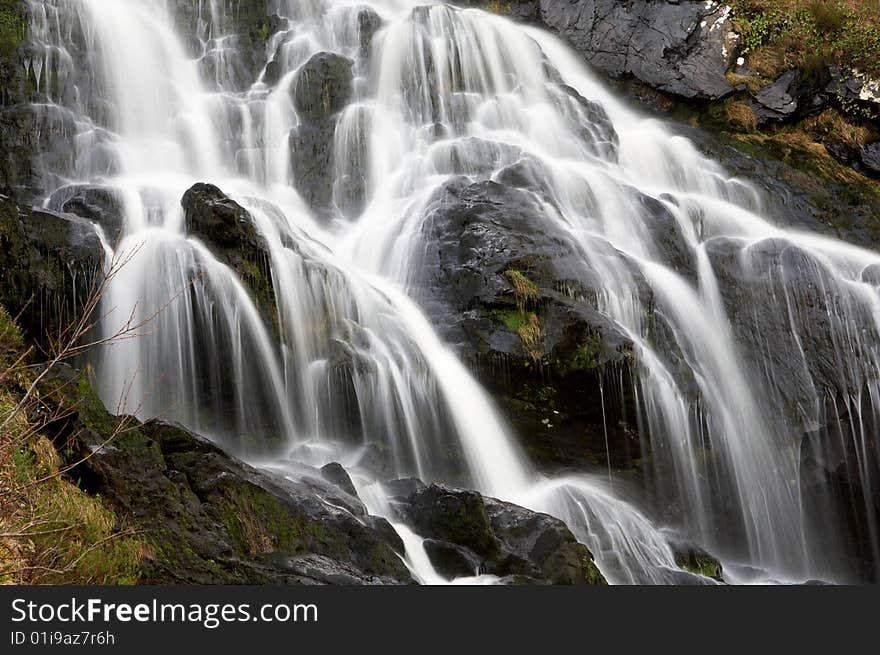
(443, 92)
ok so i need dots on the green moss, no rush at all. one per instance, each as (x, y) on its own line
(259, 523)
(512, 319)
(701, 564)
(586, 357)
(13, 28)
(591, 572)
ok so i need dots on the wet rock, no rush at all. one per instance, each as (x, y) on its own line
(311, 148)
(369, 22)
(449, 560)
(101, 205)
(229, 231)
(509, 289)
(402, 488)
(50, 262)
(695, 560)
(453, 515)
(503, 538)
(792, 198)
(212, 519)
(683, 48)
(336, 474)
(323, 87)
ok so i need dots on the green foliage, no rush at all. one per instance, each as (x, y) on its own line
(13, 27)
(807, 33)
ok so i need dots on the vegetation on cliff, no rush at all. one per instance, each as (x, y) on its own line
(783, 34)
(51, 531)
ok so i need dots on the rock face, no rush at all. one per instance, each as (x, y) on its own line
(211, 519)
(49, 264)
(683, 48)
(323, 87)
(466, 529)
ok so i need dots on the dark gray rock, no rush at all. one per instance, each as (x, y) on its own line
(683, 48)
(229, 231)
(369, 22)
(792, 96)
(775, 102)
(450, 560)
(101, 205)
(311, 149)
(50, 263)
(503, 538)
(853, 87)
(323, 86)
(508, 287)
(870, 159)
(336, 474)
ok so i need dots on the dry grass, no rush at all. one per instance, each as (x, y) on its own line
(51, 532)
(831, 125)
(523, 288)
(782, 34)
(530, 333)
(753, 83)
(741, 116)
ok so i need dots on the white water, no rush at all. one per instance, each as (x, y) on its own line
(357, 366)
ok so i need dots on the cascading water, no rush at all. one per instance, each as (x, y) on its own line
(350, 364)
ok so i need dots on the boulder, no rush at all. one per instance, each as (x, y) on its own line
(322, 88)
(465, 528)
(229, 231)
(693, 559)
(334, 473)
(449, 560)
(507, 286)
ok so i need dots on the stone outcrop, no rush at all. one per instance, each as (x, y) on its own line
(230, 233)
(322, 88)
(506, 286)
(467, 529)
(50, 263)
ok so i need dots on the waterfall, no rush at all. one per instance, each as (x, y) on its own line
(349, 365)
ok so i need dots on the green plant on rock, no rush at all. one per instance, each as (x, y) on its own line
(524, 289)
